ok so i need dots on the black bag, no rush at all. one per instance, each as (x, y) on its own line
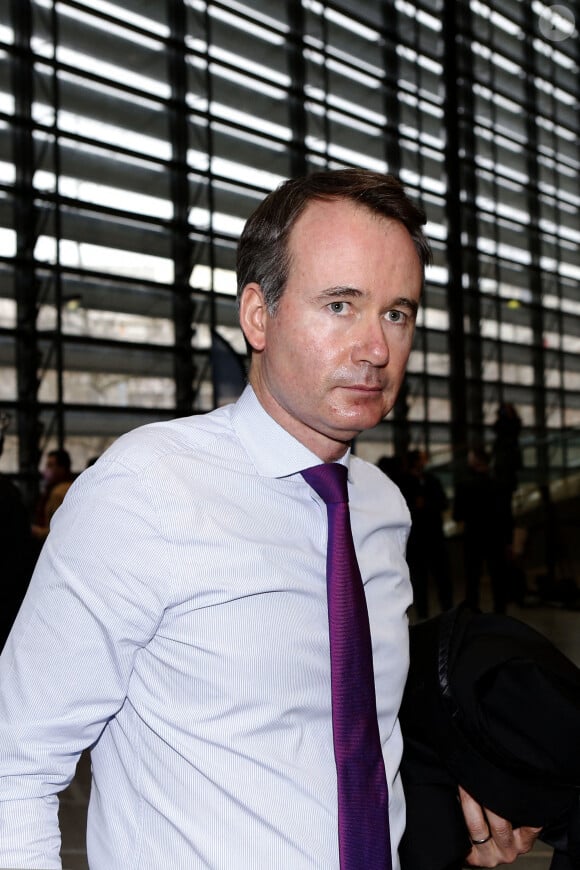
(492, 705)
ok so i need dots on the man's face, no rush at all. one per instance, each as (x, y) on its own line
(329, 363)
(53, 472)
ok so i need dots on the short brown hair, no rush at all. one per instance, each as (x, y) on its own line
(263, 255)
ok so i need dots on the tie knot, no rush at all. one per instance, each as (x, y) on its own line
(329, 481)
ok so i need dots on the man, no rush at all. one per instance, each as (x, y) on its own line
(177, 622)
(427, 545)
(58, 479)
(480, 507)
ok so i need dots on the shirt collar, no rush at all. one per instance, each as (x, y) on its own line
(274, 452)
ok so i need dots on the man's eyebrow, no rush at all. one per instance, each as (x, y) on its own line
(405, 302)
(340, 291)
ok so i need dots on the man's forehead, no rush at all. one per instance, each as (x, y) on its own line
(340, 214)
(327, 228)
(342, 204)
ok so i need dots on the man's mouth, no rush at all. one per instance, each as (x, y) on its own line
(364, 388)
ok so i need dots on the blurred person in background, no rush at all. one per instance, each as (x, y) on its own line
(58, 478)
(427, 554)
(480, 507)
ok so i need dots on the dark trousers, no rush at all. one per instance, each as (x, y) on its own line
(480, 554)
(427, 557)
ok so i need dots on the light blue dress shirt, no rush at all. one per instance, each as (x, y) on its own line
(177, 623)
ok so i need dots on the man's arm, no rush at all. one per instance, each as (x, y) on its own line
(494, 840)
(65, 669)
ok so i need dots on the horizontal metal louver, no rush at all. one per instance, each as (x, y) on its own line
(135, 151)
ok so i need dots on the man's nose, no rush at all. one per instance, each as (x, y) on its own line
(372, 346)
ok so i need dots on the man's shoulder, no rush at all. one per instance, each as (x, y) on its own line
(369, 477)
(375, 496)
(363, 469)
(150, 444)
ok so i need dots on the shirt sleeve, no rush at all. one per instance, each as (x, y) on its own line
(95, 599)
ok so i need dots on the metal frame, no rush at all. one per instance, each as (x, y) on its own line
(395, 80)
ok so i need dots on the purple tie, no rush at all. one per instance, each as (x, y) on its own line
(363, 817)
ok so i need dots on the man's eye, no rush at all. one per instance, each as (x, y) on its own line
(396, 316)
(337, 307)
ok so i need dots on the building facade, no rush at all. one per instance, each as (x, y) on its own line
(136, 137)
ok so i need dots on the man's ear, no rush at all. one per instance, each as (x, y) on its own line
(253, 316)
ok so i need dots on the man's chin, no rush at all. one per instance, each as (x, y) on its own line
(360, 420)
(368, 406)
